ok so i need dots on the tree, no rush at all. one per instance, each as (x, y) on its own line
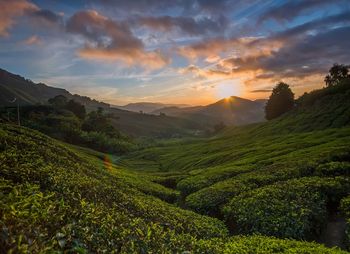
(59, 101)
(280, 101)
(336, 74)
(77, 108)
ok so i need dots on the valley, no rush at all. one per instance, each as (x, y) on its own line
(254, 187)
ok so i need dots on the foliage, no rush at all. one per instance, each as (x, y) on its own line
(336, 74)
(291, 209)
(72, 201)
(280, 101)
(77, 108)
(301, 152)
(67, 121)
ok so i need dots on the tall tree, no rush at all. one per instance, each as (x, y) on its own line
(59, 101)
(280, 101)
(337, 73)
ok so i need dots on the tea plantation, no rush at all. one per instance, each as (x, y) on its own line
(263, 188)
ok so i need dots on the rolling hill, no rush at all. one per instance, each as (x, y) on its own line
(28, 93)
(285, 178)
(230, 111)
(264, 186)
(59, 198)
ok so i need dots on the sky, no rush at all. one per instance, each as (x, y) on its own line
(174, 51)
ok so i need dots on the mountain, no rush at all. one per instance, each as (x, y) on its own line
(160, 126)
(27, 92)
(134, 124)
(147, 107)
(231, 111)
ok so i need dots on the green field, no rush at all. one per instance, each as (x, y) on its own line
(263, 188)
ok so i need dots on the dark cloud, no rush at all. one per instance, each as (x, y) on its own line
(299, 52)
(314, 54)
(150, 6)
(291, 9)
(46, 16)
(187, 25)
(111, 40)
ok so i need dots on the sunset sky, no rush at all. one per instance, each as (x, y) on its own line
(176, 51)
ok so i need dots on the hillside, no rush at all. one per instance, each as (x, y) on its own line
(230, 111)
(283, 178)
(262, 188)
(57, 198)
(133, 124)
(28, 93)
(158, 126)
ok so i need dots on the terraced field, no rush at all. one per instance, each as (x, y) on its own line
(262, 188)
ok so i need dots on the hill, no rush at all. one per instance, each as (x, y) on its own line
(157, 126)
(261, 188)
(59, 198)
(29, 93)
(133, 124)
(286, 178)
(230, 111)
(147, 107)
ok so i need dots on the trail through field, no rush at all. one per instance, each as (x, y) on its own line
(334, 233)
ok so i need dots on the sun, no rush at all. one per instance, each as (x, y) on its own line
(228, 89)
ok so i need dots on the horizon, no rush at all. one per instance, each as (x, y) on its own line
(188, 51)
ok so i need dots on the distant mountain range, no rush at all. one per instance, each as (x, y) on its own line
(144, 118)
(230, 111)
(148, 107)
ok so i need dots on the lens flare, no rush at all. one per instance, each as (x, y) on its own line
(228, 89)
(107, 161)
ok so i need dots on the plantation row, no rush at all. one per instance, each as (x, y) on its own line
(59, 198)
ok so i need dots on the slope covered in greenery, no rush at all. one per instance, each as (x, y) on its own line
(30, 95)
(281, 178)
(56, 197)
(284, 178)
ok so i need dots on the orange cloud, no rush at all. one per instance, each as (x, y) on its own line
(32, 40)
(111, 40)
(149, 60)
(9, 10)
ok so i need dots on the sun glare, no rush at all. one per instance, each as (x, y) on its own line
(228, 89)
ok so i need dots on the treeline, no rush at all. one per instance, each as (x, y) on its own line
(282, 98)
(67, 120)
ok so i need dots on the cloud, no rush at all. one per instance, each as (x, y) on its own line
(152, 6)
(9, 10)
(292, 9)
(45, 17)
(307, 49)
(33, 40)
(187, 25)
(261, 91)
(112, 41)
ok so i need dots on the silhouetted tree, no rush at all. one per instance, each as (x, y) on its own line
(97, 121)
(280, 101)
(77, 108)
(58, 101)
(337, 73)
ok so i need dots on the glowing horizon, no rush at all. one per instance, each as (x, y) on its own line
(189, 52)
